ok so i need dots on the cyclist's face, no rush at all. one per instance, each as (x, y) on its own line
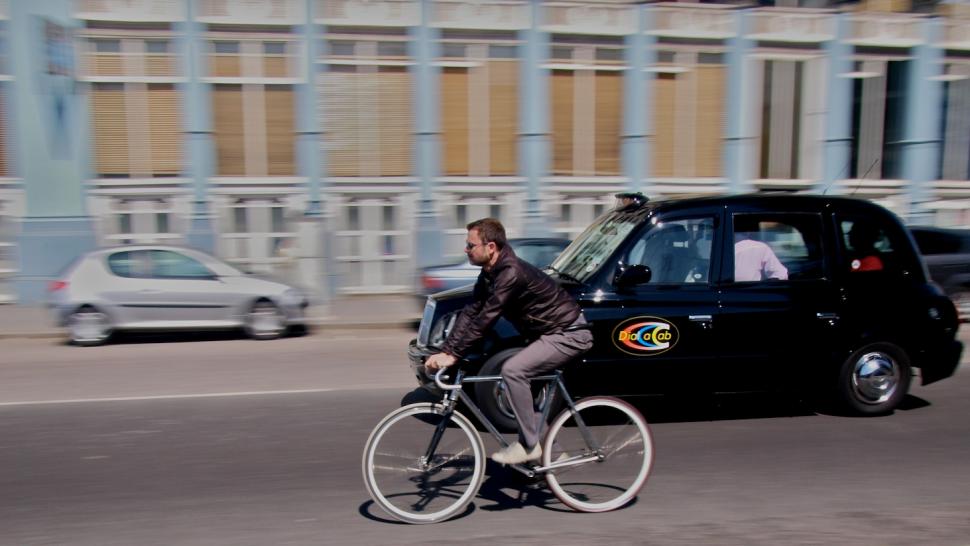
(478, 252)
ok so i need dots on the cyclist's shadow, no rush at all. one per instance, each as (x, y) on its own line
(505, 488)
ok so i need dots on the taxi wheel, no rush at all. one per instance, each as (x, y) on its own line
(492, 400)
(874, 379)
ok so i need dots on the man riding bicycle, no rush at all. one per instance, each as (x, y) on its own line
(539, 309)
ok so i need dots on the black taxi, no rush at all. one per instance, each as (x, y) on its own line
(804, 294)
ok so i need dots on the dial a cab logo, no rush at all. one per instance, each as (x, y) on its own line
(645, 336)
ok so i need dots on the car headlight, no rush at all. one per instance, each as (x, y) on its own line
(441, 329)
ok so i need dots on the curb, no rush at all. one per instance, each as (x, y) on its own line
(314, 327)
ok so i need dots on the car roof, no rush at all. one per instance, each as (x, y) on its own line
(760, 200)
(129, 248)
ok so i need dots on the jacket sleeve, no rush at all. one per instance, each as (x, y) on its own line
(478, 317)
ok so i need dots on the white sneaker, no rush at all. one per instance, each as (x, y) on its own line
(516, 454)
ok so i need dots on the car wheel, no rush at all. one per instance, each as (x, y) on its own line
(874, 379)
(265, 321)
(493, 401)
(88, 327)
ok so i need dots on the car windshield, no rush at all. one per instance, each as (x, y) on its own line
(583, 258)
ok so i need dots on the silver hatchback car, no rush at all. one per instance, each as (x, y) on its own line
(168, 288)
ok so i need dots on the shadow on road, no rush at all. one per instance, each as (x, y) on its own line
(682, 408)
(137, 338)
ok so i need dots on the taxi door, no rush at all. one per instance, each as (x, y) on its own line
(778, 304)
(659, 332)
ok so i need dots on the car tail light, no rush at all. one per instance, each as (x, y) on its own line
(54, 286)
(433, 283)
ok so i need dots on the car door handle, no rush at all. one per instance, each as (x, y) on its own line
(831, 318)
(704, 321)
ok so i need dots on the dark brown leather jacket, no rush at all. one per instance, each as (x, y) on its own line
(528, 298)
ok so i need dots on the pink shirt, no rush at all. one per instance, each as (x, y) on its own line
(755, 261)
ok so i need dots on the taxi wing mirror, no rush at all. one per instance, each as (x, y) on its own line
(632, 275)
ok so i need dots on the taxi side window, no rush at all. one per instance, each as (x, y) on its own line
(777, 247)
(868, 245)
(676, 251)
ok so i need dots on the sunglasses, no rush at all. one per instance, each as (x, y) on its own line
(469, 246)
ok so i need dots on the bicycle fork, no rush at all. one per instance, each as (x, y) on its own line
(449, 402)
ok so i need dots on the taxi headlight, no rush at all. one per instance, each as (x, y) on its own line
(442, 327)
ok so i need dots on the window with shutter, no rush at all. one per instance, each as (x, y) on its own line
(664, 114)
(110, 129)
(562, 121)
(454, 120)
(164, 129)
(503, 124)
(280, 138)
(3, 132)
(228, 129)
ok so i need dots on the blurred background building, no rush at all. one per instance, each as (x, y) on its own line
(344, 143)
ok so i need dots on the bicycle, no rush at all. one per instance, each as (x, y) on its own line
(596, 455)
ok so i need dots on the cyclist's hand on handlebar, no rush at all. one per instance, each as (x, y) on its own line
(439, 360)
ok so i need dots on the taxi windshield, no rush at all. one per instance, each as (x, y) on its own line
(585, 255)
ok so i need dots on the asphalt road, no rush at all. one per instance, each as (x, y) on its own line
(226, 441)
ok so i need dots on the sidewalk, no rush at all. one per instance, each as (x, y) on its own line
(395, 311)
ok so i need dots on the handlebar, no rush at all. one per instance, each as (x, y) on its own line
(439, 376)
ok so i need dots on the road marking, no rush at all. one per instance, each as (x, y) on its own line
(177, 396)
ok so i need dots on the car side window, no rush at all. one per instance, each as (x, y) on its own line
(869, 246)
(777, 246)
(173, 265)
(132, 264)
(676, 251)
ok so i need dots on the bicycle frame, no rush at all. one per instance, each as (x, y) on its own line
(454, 393)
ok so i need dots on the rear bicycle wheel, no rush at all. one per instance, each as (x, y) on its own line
(413, 489)
(615, 467)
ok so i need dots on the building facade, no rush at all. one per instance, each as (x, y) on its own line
(344, 143)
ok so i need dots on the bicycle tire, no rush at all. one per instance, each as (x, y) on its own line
(626, 444)
(405, 488)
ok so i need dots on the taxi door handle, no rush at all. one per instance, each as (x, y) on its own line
(704, 321)
(830, 318)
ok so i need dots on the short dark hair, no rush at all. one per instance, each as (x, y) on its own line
(490, 230)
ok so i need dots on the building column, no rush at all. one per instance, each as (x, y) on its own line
(838, 109)
(199, 146)
(423, 48)
(314, 245)
(741, 136)
(640, 52)
(49, 114)
(534, 121)
(921, 145)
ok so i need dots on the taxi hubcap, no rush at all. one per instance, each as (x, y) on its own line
(875, 378)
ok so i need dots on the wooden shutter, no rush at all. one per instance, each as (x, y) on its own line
(280, 136)
(609, 98)
(503, 124)
(393, 116)
(710, 120)
(454, 120)
(159, 64)
(224, 65)
(562, 122)
(228, 129)
(341, 121)
(274, 66)
(164, 129)
(106, 64)
(664, 116)
(110, 129)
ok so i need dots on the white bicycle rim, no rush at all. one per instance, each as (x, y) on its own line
(370, 480)
(644, 471)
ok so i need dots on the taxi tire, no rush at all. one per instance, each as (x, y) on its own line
(849, 395)
(490, 406)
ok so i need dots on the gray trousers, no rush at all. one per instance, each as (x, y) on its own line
(541, 356)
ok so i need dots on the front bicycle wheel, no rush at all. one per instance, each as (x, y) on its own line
(408, 485)
(604, 469)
